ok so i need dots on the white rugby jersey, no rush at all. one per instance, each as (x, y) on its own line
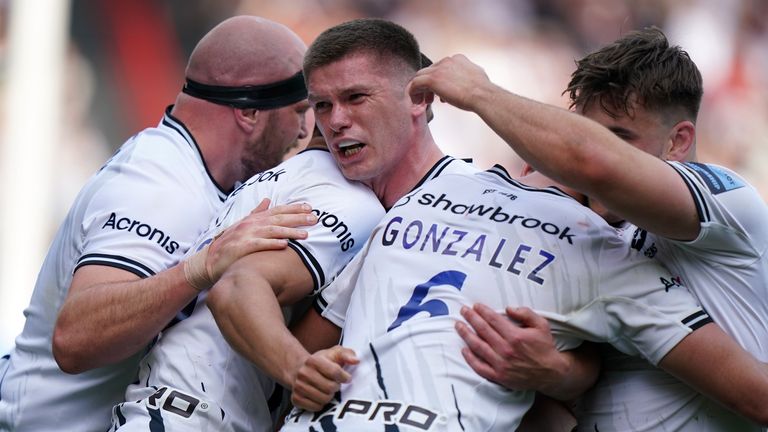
(725, 267)
(484, 238)
(192, 356)
(126, 216)
(446, 165)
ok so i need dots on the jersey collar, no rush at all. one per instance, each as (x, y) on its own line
(179, 127)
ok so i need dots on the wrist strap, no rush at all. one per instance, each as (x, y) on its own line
(195, 272)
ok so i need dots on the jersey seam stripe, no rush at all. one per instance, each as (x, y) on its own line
(182, 130)
(697, 195)
(458, 410)
(502, 173)
(115, 261)
(379, 377)
(318, 277)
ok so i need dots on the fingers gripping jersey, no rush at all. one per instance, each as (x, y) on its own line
(126, 216)
(191, 379)
(464, 239)
(725, 267)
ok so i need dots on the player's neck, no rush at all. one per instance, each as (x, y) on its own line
(402, 178)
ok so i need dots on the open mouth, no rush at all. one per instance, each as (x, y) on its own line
(350, 148)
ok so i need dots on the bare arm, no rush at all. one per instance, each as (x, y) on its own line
(547, 414)
(573, 150)
(110, 314)
(246, 305)
(714, 364)
(315, 332)
(521, 354)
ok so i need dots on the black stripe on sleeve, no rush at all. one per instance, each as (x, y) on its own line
(116, 261)
(315, 270)
(698, 197)
(697, 320)
(320, 303)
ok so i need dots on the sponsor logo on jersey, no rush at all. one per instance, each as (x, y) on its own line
(717, 179)
(264, 176)
(638, 242)
(176, 402)
(142, 230)
(337, 226)
(378, 412)
(495, 214)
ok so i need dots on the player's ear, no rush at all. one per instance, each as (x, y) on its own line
(527, 169)
(681, 142)
(422, 103)
(247, 118)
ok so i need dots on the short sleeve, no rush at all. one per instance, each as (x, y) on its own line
(731, 212)
(142, 216)
(646, 310)
(332, 302)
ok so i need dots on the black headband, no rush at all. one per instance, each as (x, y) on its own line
(264, 97)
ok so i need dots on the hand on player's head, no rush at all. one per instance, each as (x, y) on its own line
(453, 79)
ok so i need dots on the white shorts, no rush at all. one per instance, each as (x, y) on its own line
(170, 410)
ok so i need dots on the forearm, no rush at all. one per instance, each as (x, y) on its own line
(251, 320)
(103, 323)
(578, 372)
(584, 155)
(730, 375)
(560, 144)
(315, 332)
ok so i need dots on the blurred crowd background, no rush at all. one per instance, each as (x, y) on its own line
(125, 60)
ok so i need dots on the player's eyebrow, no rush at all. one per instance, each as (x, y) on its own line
(622, 132)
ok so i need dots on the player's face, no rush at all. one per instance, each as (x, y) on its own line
(363, 111)
(645, 130)
(284, 128)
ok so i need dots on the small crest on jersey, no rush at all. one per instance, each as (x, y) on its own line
(507, 194)
(717, 179)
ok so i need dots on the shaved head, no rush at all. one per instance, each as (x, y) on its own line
(246, 50)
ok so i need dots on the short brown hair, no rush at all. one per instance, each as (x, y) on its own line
(366, 34)
(640, 65)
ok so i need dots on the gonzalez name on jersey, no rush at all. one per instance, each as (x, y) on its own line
(483, 238)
